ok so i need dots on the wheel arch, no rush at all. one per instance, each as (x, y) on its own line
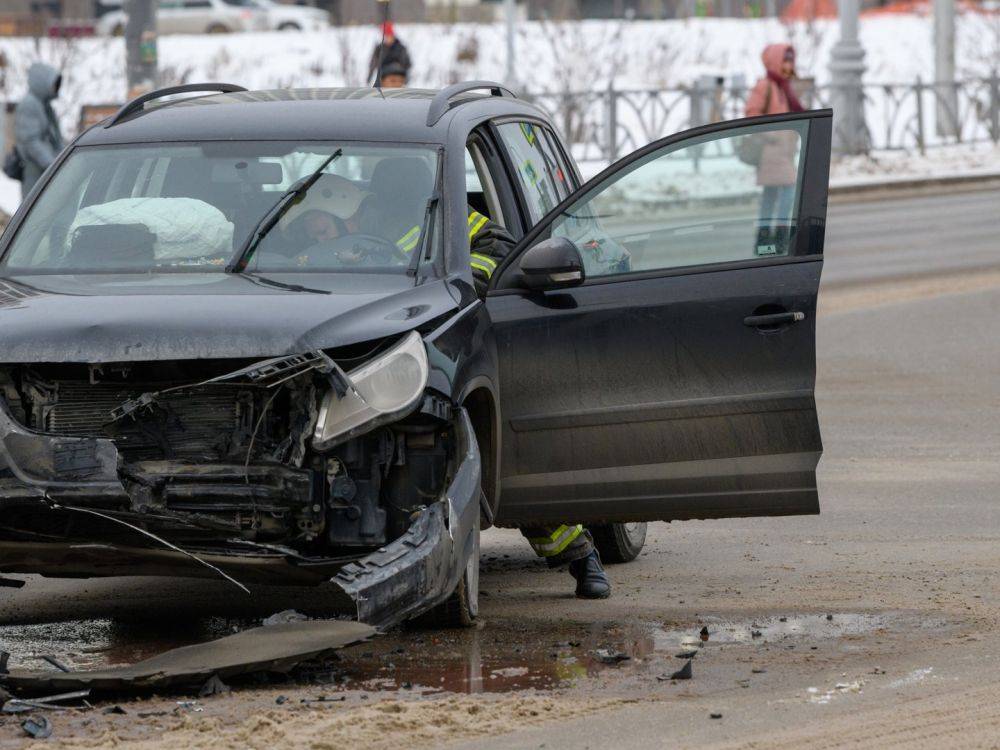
(480, 401)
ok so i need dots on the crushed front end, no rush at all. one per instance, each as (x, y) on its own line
(290, 470)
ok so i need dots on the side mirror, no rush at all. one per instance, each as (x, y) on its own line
(554, 263)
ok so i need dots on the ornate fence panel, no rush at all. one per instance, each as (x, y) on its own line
(605, 125)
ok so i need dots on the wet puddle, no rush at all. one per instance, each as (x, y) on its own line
(492, 658)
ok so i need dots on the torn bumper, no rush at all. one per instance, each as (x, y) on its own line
(423, 567)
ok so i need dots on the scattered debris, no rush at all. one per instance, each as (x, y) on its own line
(878, 670)
(277, 648)
(829, 618)
(687, 654)
(782, 619)
(758, 670)
(21, 705)
(684, 673)
(704, 633)
(324, 699)
(715, 715)
(116, 709)
(37, 727)
(744, 683)
(190, 706)
(214, 686)
(281, 700)
(756, 634)
(53, 661)
(4, 658)
(611, 656)
(284, 617)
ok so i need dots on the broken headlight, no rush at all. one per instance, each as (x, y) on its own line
(382, 390)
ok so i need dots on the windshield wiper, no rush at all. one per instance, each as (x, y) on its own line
(425, 229)
(258, 279)
(274, 214)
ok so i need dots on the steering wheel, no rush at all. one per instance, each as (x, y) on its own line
(365, 246)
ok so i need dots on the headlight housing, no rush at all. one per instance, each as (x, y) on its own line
(385, 389)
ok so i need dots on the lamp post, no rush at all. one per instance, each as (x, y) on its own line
(847, 67)
(140, 46)
(510, 16)
(946, 94)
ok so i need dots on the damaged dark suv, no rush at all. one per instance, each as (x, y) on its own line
(239, 336)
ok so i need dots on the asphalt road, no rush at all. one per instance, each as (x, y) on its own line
(903, 560)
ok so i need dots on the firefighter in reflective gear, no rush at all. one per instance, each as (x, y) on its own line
(489, 244)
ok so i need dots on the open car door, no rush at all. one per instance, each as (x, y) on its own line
(677, 380)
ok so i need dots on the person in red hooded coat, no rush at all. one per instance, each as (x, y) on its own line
(778, 166)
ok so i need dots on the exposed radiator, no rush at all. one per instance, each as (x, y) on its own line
(185, 425)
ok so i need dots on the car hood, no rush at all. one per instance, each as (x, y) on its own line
(205, 316)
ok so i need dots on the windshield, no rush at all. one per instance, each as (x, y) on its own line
(196, 207)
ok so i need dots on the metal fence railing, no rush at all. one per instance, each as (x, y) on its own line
(605, 125)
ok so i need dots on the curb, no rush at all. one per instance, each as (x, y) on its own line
(906, 187)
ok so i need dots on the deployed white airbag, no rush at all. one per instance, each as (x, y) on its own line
(185, 228)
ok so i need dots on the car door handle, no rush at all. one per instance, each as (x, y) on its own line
(774, 319)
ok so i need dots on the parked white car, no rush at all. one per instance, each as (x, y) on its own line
(191, 17)
(282, 17)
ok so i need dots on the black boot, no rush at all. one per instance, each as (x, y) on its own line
(591, 580)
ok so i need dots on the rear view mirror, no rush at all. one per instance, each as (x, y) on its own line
(554, 263)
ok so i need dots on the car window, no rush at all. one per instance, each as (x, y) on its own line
(537, 173)
(725, 197)
(563, 176)
(192, 207)
(481, 193)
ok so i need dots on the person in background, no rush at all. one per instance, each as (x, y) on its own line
(36, 129)
(393, 76)
(389, 51)
(777, 167)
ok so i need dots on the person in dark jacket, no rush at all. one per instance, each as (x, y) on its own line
(36, 129)
(390, 51)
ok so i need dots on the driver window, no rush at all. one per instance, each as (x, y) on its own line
(481, 194)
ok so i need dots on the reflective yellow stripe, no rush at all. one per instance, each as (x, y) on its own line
(480, 267)
(486, 260)
(476, 222)
(409, 240)
(529, 133)
(555, 543)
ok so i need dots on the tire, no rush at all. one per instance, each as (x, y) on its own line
(461, 609)
(619, 542)
(217, 28)
(289, 26)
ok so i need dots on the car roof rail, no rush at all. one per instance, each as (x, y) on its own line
(441, 102)
(136, 104)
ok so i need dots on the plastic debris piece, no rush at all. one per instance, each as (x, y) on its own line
(715, 715)
(684, 673)
(281, 700)
(37, 727)
(610, 656)
(704, 633)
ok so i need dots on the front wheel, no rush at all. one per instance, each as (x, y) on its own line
(461, 609)
(289, 26)
(619, 542)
